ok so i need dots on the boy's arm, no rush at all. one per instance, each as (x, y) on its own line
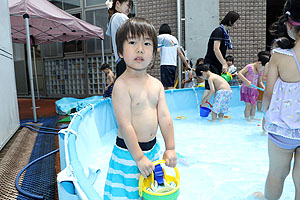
(122, 107)
(211, 91)
(167, 129)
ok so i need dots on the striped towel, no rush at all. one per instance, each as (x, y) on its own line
(122, 181)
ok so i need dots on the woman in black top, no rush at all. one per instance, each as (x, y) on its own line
(218, 43)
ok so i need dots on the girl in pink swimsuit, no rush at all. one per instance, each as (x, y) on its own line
(252, 74)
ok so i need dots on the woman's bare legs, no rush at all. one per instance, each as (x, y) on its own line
(279, 168)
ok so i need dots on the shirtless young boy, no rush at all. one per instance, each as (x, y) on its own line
(220, 87)
(140, 106)
(110, 79)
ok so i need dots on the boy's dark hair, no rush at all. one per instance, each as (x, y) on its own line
(105, 66)
(230, 18)
(201, 68)
(133, 28)
(164, 29)
(263, 57)
(278, 29)
(113, 10)
(229, 58)
(199, 60)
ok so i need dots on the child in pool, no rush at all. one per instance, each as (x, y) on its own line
(139, 104)
(110, 79)
(281, 102)
(252, 74)
(232, 70)
(220, 87)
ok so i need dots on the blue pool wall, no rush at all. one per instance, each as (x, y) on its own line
(93, 122)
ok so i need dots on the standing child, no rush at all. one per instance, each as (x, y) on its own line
(232, 70)
(281, 102)
(187, 82)
(118, 11)
(140, 106)
(251, 75)
(168, 57)
(218, 86)
(110, 79)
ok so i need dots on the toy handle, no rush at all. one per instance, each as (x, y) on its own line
(257, 87)
(207, 103)
(152, 176)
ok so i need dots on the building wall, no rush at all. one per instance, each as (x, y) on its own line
(159, 12)
(249, 33)
(201, 18)
(198, 19)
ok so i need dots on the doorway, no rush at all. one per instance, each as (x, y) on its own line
(274, 11)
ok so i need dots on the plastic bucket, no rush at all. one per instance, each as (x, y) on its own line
(145, 183)
(227, 76)
(204, 111)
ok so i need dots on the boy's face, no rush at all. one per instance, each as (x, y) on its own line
(106, 70)
(229, 62)
(203, 76)
(138, 52)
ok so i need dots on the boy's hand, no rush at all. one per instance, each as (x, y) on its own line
(170, 157)
(145, 166)
(106, 88)
(203, 102)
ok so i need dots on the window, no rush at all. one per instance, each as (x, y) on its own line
(66, 4)
(99, 18)
(52, 50)
(94, 2)
(73, 46)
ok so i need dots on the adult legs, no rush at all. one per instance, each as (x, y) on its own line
(279, 168)
(296, 173)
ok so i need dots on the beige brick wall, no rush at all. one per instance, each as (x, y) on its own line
(159, 12)
(249, 33)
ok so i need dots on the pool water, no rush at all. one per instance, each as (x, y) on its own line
(216, 161)
(226, 160)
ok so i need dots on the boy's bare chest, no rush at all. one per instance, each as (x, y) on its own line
(143, 99)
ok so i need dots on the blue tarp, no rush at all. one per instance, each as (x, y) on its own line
(66, 104)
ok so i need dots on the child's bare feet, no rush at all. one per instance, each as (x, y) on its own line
(248, 119)
(263, 133)
(253, 118)
(259, 195)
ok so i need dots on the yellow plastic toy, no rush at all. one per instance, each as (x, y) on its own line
(145, 183)
(181, 117)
